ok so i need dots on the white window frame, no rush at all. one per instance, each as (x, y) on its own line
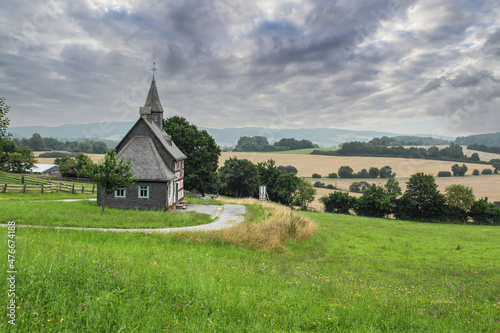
(118, 193)
(143, 188)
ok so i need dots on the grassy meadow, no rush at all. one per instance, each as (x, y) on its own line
(354, 275)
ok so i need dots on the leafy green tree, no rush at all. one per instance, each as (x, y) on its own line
(84, 147)
(4, 121)
(110, 174)
(280, 185)
(304, 194)
(345, 172)
(460, 196)
(83, 162)
(316, 175)
(422, 200)
(475, 172)
(254, 143)
(483, 212)
(99, 147)
(289, 169)
(201, 150)
(474, 157)
(458, 170)
(67, 166)
(374, 172)
(495, 164)
(386, 172)
(36, 142)
(392, 187)
(338, 202)
(359, 187)
(376, 201)
(332, 175)
(239, 178)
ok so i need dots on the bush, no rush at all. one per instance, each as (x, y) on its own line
(332, 175)
(475, 172)
(483, 212)
(386, 172)
(374, 172)
(338, 202)
(362, 174)
(359, 187)
(331, 187)
(444, 174)
(487, 172)
(459, 170)
(319, 184)
(316, 175)
(56, 154)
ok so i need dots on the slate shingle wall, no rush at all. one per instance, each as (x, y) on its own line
(157, 197)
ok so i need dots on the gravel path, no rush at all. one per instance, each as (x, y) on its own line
(226, 216)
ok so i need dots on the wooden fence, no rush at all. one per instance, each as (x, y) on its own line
(49, 187)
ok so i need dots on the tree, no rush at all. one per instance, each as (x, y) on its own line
(280, 185)
(386, 172)
(459, 170)
(4, 121)
(483, 212)
(475, 172)
(345, 171)
(376, 201)
(474, 157)
(99, 147)
(422, 200)
(316, 175)
(239, 178)
(374, 172)
(110, 174)
(359, 187)
(82, 163)
(338, 202)
(392, 187)
(201, 150)
(460, 196)
(36, 142)
(304, 194)
(289, 169)
(332, 175)
(67, 166)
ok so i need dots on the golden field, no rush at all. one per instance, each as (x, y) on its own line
(484, 186)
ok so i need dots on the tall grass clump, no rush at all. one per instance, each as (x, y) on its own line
(280, 225)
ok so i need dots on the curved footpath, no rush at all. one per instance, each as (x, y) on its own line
(225, 216)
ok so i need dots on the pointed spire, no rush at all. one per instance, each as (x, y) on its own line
(153, 100)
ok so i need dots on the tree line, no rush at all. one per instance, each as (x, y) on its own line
(260, 144)
(484, 148)
(379, 148)
(421, 202)
(37, 143)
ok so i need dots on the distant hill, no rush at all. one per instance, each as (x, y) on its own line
(490, 139)
(324, 137)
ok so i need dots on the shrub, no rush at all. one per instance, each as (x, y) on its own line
(475, 172)
(319, 184)
(483, 212)
(338, 202)
(374, 172)
(316, 175)
(332, 175)
(359, 187)
(487, 172)
(459, 170)
(444, 174)
(362, 174)
(56, 154)
(386, 172)
(331, 187)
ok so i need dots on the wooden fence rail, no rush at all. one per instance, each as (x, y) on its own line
(48, 188)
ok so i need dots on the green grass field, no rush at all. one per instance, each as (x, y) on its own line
(355, 275)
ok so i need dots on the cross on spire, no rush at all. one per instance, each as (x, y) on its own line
(154, 69)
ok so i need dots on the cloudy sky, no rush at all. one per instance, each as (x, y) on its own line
(394, 65)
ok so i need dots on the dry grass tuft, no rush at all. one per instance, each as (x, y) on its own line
(280, 225)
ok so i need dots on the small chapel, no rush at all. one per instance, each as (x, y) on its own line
(156, 162)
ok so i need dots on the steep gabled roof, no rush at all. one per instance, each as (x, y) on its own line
(165, 140)
(146, 161)
(153, 100)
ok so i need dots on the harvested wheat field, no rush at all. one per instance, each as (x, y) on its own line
(50, 160)
(309, 164)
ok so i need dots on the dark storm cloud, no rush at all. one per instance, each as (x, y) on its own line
(225, 63)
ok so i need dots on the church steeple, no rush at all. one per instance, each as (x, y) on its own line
(152, 108)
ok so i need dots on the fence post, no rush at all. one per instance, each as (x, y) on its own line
(5, 188)
(73, 188)
(24, 188)
(42, 188)
(83, 188)
(22, 179)
(93, 188)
